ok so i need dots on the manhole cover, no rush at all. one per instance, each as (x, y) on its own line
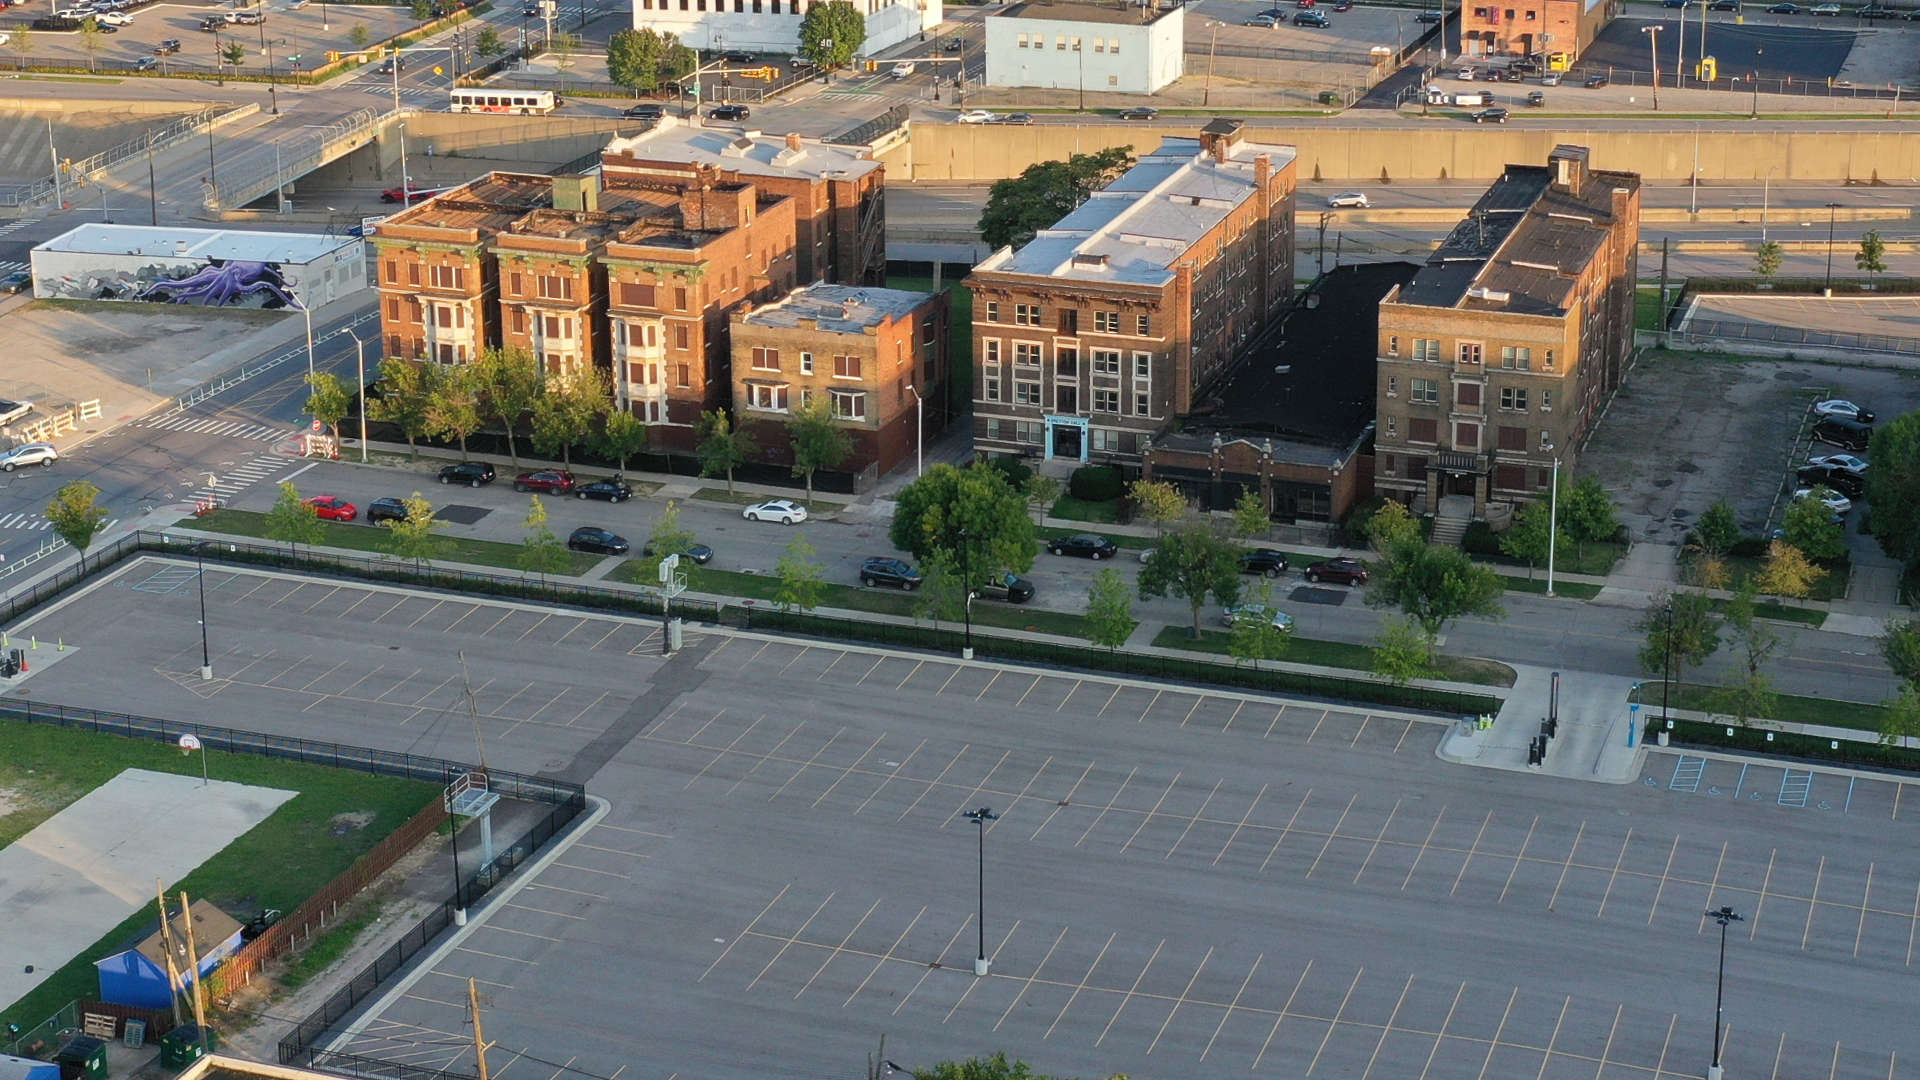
(461, 515)
(1307, 594)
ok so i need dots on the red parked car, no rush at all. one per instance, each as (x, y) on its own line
(333, 508)
(551, 481)
(1344, 570)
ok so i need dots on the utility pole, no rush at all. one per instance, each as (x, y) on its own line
(1653, 50)
(479, 1041)
(55, 155)
(193, 972)
(1213, 39)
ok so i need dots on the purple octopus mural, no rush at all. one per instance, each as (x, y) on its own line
(224, 283)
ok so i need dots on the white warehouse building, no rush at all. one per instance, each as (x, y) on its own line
(774, 25)
(1109, 48)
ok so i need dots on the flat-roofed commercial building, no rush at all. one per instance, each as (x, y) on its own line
(1066, 45)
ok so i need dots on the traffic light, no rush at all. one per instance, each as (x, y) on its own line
(873, 65)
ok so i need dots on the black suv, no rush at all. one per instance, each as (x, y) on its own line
(1085, 545)
(380, 510)
(605, 491)
(470, 473)
(1840, 480)
(1843, 433)
(729, 112)
(598, 541)
(881, 570)
(1010, 587)
(645, 112)
(1263, 561)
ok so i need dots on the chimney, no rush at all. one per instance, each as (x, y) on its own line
(715, 209)
(1219, 137)
(793, 140)
(578, 192)
(1569, 165)
(1262, 174)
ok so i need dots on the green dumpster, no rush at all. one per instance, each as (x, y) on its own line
(83, 1058)
(180, 1047)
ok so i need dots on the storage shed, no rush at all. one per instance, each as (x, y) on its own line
(139, 975)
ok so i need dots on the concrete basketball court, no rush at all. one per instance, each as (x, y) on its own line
(84, 870)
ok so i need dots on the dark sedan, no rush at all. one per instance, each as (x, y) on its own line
(1840, 480)
(1085, 546)
(604, 490)
(17, 282)
(597, 541)
(729, 112)
(1010, 587)
(897, 573)
(380, 510)
(1263, 561)
(470, 473)
(699, 553)
(1344, 570)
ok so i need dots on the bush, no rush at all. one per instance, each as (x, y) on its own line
(1097, 483)
(1361, 516)
(1749, 547)
(1480, 539)
(1011, 467)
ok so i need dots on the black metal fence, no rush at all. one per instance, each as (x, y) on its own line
(1739, 83)
(344, 1064)
(1701, 331)
(865, 133)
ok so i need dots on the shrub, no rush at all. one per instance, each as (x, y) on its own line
(1749, 547)
(1480, 539)
(1362, 515)
(1097, 483)
(1011, 467)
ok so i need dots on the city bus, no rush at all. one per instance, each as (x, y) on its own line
(494, 100)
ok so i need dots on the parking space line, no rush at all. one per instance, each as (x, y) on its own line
(1835, 1071)
(323, 675)
(971, 983)
(238, 600)
(990, 682)
(1517, 859)
(766, 757)
(910, 674)
(935, 783)
(1813, 903)
(535, 626)
(697, 732)
(1899, 789)
(236, 675)
(877, 661)
(1244, 818)
(1024, 693)
(1181, 1000)
(788, 944)
(1110, 697)
(1495, 1041)
(1198, 698)
(829, 668)
(589, 708)
(547, 911)
(1582, 831)
(743, 933)
(308, 610)
(1286, 831)
(461, 978)
(1103, 810)
(496, 956)
(884, 957)
(342, 692)
(1066, 802)
(1276, 719)
(890, 777)
(1332, 836)
(1193, 820)
(1282, 1014)
(1847, 808)
(844, 773)
(1071, 690)
(602, 873)
(1762, 902)
(951, 675)
(1335, 1025)
(1143, 712)
(1714, 886)
(1022, 992)
(504, 616)
(1468, 861)
(1376, 840)
(1128, 996)
(1035, 778)
(470, 611)
(1611, 878)
(837, 949)
(1555, 1037)
(937, 964)
(563, 889)
(1387, 1029)
(1660, 1067)
(1424, 844)
(1664, 874)
(1866, 901)
(1356, 735)
(436, 607)
(1149, 815)
(1741, 781)
(808, 764)
(1082, 985)
(1236, 715)
(1913, 924)
(497, 928)
(396, 606)
(1404, 732)
(1441, 1035)
(435, 690)
(977, 789)
(1232, 1005)
(1316, 727)
(497, 710)
(534, 716)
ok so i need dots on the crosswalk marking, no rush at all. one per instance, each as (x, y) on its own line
(8, 266)
(240, 478)
(414, 93)
(33, 522)
(239, 429)
(16, 224)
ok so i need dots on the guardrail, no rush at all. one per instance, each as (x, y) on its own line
(233, 377)
(295, 157)
(173, 132)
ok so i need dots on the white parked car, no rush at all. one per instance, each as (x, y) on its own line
(1844, 462)
(35, 453)
(1348, 199)
(4, 38)
(114, 18)
(1845, 410)
(13, 410)
(976, 116)
(784, 511)
(1257, 612)
(1829, 498)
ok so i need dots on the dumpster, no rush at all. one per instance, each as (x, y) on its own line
(180, 1047)
(82, 1058)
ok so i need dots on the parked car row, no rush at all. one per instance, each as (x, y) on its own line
(1843, 424)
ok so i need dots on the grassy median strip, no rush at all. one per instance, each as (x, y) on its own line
(1336, 654)
(372, 538)
(1579, 590)
(1788, 708)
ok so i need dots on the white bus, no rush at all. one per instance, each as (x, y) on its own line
(493, 100)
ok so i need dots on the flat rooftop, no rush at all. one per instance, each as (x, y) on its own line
(745, 150)
(1118, 14)
(840, 309)
(1135, 229)
(168, 241)
(489, 203)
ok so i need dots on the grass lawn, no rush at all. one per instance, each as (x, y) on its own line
(1831, 586)
(1100, 513)
(372, 538)
(1858, 715)
(1646, 308)
(1336, 654)
(278, 864)
(1579, 590)
(748, 498)
(1783, 612)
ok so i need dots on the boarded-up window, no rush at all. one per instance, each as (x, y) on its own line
(1423, 429)
(1513, 438)
(1510, 477)
(634, 295)
(1467, 393)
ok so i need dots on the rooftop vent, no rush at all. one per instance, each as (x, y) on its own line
(1089, 260)
(1492, 296)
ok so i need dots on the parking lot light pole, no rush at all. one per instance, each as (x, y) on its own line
(200, 575)
(966, 583)
(985, 814)
(1666, 665)
(1722, 915)
(361, 347)
(1828, 289)
(1653, 47)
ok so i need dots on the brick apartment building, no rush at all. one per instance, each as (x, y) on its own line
(634, 279)
(1107, 326)
(838, 192)
(1495, 360)
(1518, 28)
(872, 354)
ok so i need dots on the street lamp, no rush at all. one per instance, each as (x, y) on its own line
(983, 815)
(1722, 915)
(966, 607)
(1754, 113)
(919, 431)
(1653, 49)
(1831, 207)
(361, 347)
(200, 575)
(273, 88)
(1666, 665)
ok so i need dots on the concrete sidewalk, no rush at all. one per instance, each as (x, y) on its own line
(1595, 740)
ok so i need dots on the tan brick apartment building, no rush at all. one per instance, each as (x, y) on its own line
(635, 279)
(838, 192)
(1516, 28)
(1107, 326)
(872, 354)
(1497, 357)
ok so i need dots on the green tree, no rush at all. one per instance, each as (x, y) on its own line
(1900, 645)
(1433, 585)
(413, 538)
(931, 515)
(1893, 487)
(488, 44)
(1254, 640)
(1902, 720)
(563, 47)
(1404, 651)
(1787, 573)
(621, 435)
(680, 61)
(802, 581)
(328, 400)
(1717, 531)
(831, 34)
(1110, 620)
(1046, 192)
(23, 43)
(90, 35)
(942, 596)
(722, 447)
(453, 405)
(1043, 491)
(669, 537)
(1392, 525)
(1532, 535)
(359, 35)
(422, 11)
(1158, 502)
(996, 1067)
(1250, 518)
(292, 520)
(634, 59)
(818, 442)
(233, 52)
(1690, 629)
(1192, 564)
(567, 413)
(1587, 513)
(541, 552)
(1751, 695)
(509, 381)
(1809, 526)
(75, 517)
(1766, 261)
(404, 398)
(1872, 256)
